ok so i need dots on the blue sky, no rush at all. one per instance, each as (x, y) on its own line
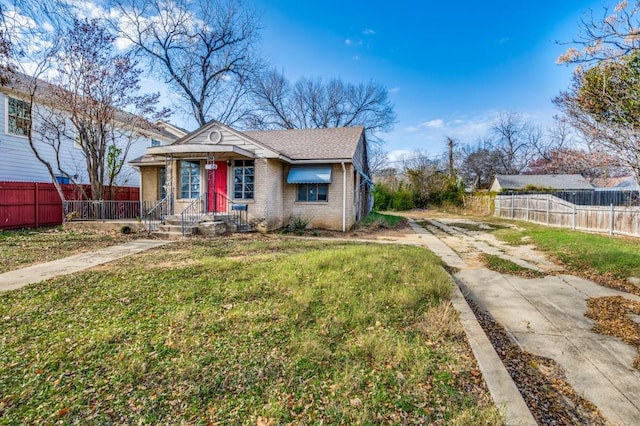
(450, 67)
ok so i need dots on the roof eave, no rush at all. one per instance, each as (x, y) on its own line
(198, 149)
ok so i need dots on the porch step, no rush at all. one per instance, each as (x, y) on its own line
(172, 226)
(172, 230)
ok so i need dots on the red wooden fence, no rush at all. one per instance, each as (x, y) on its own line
(33, 204)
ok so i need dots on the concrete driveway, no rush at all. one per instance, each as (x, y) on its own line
(545, 316)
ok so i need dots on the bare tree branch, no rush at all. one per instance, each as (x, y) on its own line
(204, 49)
(315, 104)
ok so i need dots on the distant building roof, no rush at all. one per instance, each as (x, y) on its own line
(622, 183)
(557, 182)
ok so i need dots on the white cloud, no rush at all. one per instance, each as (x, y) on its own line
(368, 31)
(356, 58)
(352, 42)
(394, 90)
(398, 155)
(435, 124)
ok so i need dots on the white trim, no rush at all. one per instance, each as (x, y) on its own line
(188, 149)
(6, 116)
(344, 198)
(215, 136)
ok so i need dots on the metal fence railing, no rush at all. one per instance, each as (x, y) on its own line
(101, 210)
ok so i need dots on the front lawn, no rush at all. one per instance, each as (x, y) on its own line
(245, 330)
(22, 248)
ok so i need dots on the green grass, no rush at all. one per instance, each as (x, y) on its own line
(504, 266)
(242, 331)
(382, 220)
(26, 247)
(580, 251)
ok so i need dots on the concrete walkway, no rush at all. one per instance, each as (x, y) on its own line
(501, 387)
(546, 317)
(21, 277)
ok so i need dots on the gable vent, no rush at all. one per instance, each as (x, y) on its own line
(215, 136)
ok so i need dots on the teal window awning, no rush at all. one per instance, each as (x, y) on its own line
(309, 174)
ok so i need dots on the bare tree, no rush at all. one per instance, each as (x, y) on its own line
(607, 36)
(316, 104)
(6, 50)
(515, 139)
(378, 158)
(204, 49)
(92, 103)
(602, 105)
(480, 164)
(590, 164)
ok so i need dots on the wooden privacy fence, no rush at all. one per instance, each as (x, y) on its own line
(34, 204)
(549, 210)
(481, 204)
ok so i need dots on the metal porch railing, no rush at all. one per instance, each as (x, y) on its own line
(100, 210)
(222, 206)
(195, 211)
(155, 212)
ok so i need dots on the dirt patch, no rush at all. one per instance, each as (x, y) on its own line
(541, 382)
(616, 316)
(373, 231)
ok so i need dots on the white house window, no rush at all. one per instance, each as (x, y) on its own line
(243, 179)
(313, 192)
(189, 179)
(162, 177)
(18, 117)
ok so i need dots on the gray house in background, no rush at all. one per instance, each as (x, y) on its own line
(623, 183)
(551, 182)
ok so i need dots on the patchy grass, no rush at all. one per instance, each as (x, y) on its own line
(605, 259)
(505, 266)
(26, 247)
(384, 221)
(476, 227)
(243, 331)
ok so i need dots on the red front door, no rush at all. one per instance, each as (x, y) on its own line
(218, 187)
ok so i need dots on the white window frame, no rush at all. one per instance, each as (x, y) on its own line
(190, 191)
(243, 165)
(6, 116)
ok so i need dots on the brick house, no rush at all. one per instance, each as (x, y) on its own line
(318, 175)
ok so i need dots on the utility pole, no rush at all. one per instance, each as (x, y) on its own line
(451, 143)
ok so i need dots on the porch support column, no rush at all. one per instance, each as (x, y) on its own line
(344, 198)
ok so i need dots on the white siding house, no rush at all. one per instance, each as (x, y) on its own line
(18, 162)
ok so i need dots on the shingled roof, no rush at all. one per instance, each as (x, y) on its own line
(311, 144)
(559, 182)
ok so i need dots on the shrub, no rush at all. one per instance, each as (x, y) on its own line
(297, 225)
(403, 199)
